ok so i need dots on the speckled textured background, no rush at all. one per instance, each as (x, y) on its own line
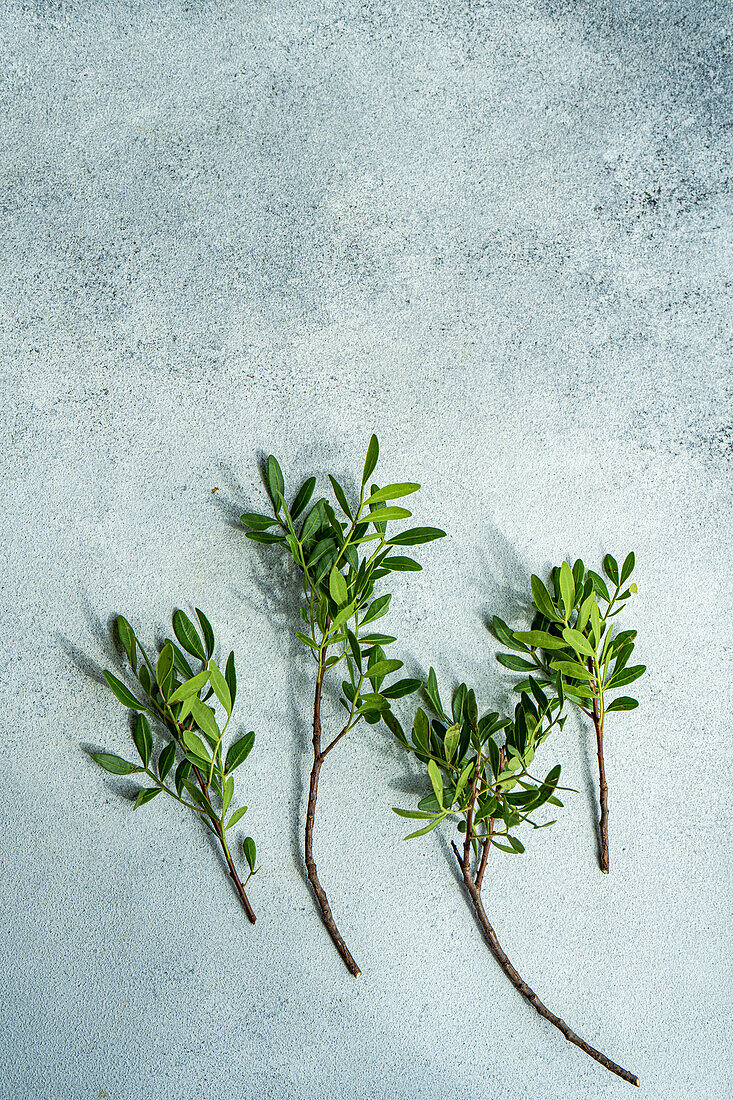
(500, 236)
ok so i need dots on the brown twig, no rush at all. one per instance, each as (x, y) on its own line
(310, 863)
(603, 786)
(473, 886)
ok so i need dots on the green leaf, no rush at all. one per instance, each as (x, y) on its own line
(143, 739)
(567, 588)
(145, 795)
(506, 636)
(120, 691)
(239, 751)
(370, 462)
(230, 675)
(182, 773)
(452, 737)
(427, 829)
(114, 764)
(190, 687)
(340, 495)
(401, 688)
(220, 686)
(599, 585)
(227, 792)
(574, 669)
(421, 731)
(584, 611)
(392, 492)
(127, 638)
(236, 816)
(626, 676)
(303, 498)
(610, 568)
(186, 633)
(413, 813)
(628, 567)
(257, 522)
(207, 631)
(250, 852)
(204, 718)
(624, 702)
(193, 742)
(343, 617)
(376, 609)
(578, 642)
(399, 564)
(516, 844)
(540, 638)
(431, 690)
(516, 664)
(382, 668)
(275, 483)
(543, 601)
(165, 760)
(415, 536)
(164, 669)
(436, 780)
(384, 515)
(503, 847)
(338, 588)
(265, 538)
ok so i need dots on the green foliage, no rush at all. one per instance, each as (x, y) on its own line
(342, 551)
(485, 787)
(181, 703)
(572, 634)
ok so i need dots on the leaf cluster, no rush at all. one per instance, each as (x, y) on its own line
(191, 765)
(342, 549)
(572, 635)
(488, 787)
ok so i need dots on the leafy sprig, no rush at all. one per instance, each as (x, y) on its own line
(191, 765)
(489, 790)
(342, 551)
(572, 635)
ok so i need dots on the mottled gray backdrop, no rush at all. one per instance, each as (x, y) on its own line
(498, 234)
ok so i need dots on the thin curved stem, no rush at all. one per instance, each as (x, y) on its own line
(310, 863)
(474, 892)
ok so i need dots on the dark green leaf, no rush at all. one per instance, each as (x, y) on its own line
(164, 669)
(239, 751)
(114, 764)
(182, 773)
(207, 632)
(610, 568)
(628, 567)
(415, 536)
(187, 635)
(543, 601)
(230, 675)
(165, 760)
(264, 537)
(120, 691)
(626, 676)
(599, 585)
(143, 739)
(401, 688)
(384, 515)
(204, 718)
(517, 664)
(145, 795)
(127, 638)
(506, 636)
(220, 686)
(399, 564)
(275, 483)
(372, 456)
(376, 609)
(624, 702)
(427, 829)
(303, 498)
(431, 690)
(250, 852)
(340, 495)
(257, 522)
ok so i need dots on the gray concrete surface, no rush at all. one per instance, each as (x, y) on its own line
(499, 235)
